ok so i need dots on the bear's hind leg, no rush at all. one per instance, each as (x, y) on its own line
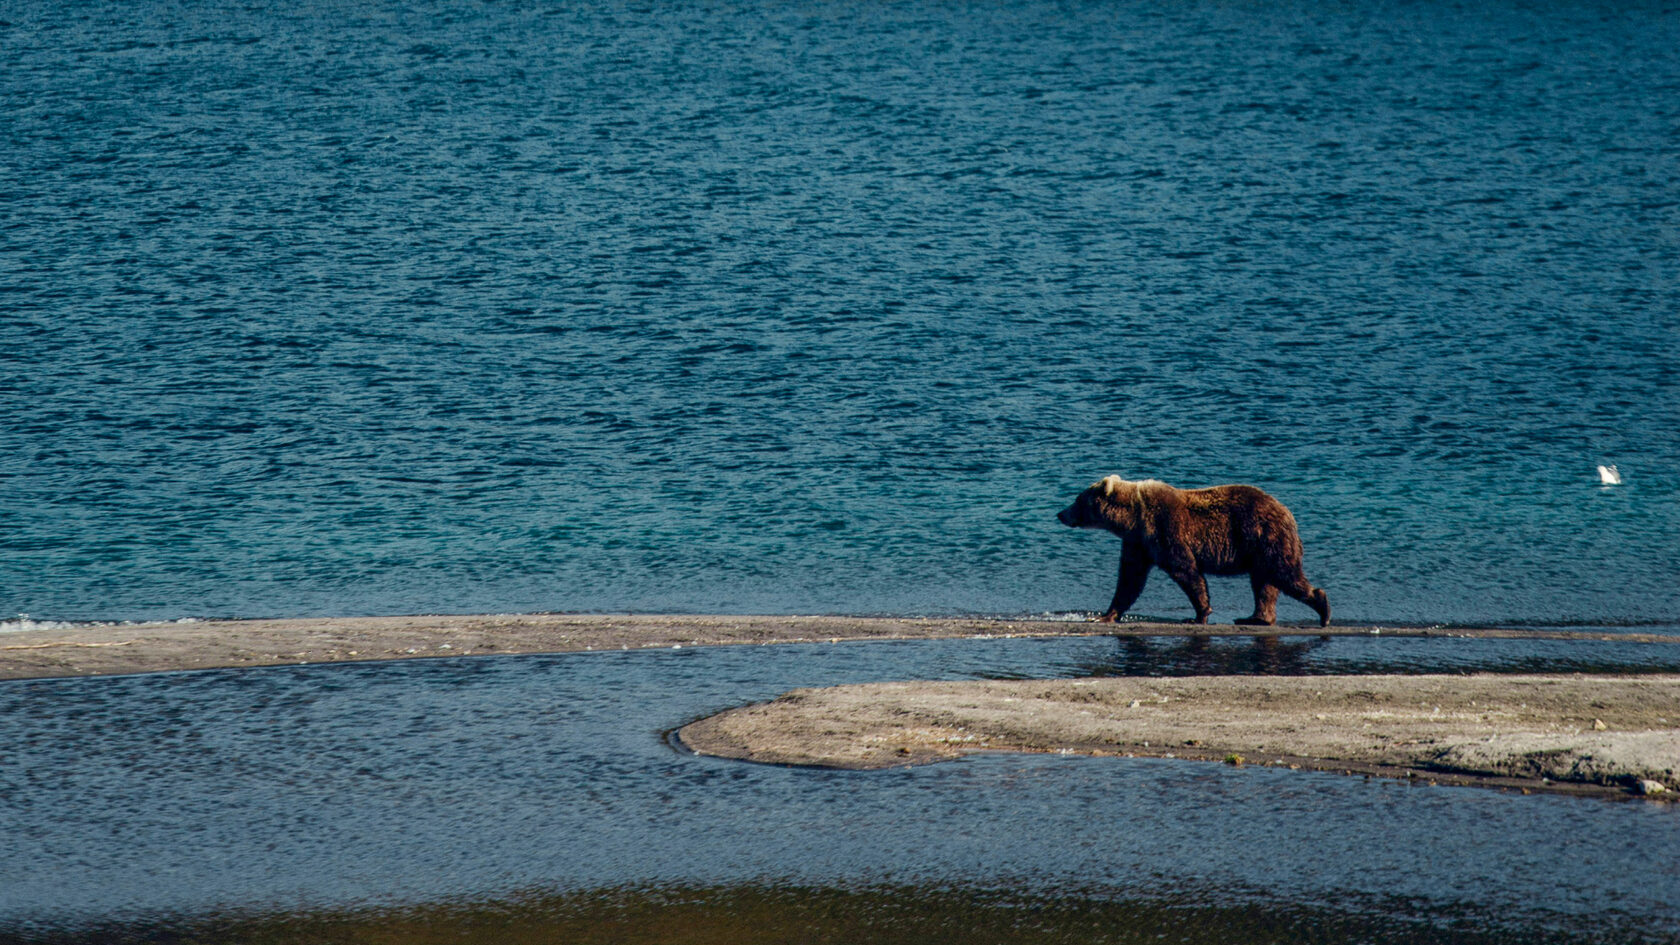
(1313, 597)
(1265, 603)
(1320, 602)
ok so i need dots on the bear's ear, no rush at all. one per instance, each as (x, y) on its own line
(1111, 485)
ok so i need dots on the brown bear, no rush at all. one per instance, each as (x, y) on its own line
(1191, 532)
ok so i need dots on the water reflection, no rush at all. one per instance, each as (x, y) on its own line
(1198, 656)
(1272, 655)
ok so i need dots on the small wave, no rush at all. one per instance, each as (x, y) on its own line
(1083, 616)
(1584, 624)
(23, 623)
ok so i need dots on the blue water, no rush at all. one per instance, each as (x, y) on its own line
(805, 307)
(141, 799)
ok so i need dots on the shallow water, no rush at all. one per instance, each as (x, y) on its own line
(291, 793)
(769, 307)
(775, 914)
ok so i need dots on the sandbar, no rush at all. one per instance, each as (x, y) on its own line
(1572, 733)
(118, 649)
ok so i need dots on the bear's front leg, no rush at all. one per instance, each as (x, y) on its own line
(1195, 587)
(1134, 572)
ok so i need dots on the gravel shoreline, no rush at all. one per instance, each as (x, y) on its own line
(113, 649)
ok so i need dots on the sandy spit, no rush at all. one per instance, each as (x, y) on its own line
(112, 649)
(141, 648)
(1582, 734)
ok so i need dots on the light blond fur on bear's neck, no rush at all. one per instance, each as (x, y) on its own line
(1126, 492)
(1113, 485)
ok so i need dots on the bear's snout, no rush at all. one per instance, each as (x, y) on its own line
(1065, 516)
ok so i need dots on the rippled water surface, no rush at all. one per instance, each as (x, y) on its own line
(144, 804)
(795, 307)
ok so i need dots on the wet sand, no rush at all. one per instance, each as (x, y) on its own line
(1595, 734)
(142, 648)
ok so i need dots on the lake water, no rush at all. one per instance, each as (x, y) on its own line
(788, 307)
(810, 307)
(507, 789)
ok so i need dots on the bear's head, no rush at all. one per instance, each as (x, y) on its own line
(1111, 503)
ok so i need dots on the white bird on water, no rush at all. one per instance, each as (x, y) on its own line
(1609, 475)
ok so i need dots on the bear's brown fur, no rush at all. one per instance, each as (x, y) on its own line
(1189, 533)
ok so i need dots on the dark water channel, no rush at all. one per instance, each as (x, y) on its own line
(535, 798)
